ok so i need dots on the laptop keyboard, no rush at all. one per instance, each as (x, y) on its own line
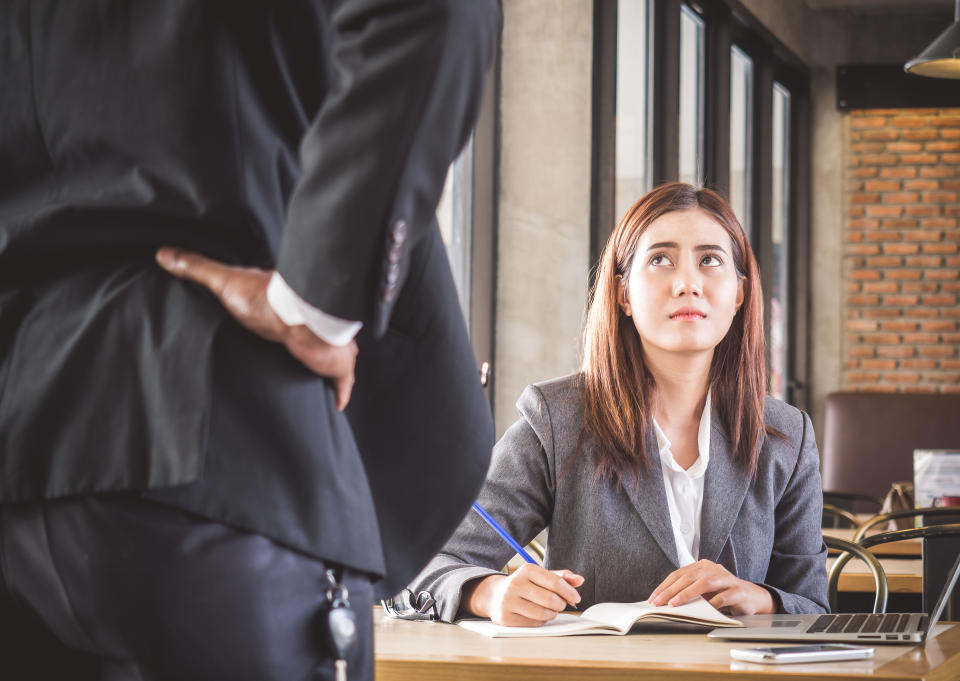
(862, 623)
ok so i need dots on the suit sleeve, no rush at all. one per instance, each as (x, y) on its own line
(406, 95)
(518, 493)
(797, 574)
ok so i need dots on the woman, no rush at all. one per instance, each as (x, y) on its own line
(661, 470)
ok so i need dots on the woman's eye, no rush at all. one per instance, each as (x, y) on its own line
(711, 261)
(659, 259)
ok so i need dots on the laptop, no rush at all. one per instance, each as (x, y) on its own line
(897, 628)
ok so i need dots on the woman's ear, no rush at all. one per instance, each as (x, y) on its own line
(623, 296)
(740, 293)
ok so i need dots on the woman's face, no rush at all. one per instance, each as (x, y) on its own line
(682, 290)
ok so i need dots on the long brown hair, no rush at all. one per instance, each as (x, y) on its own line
(619, 389)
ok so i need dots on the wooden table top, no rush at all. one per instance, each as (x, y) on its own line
(904, 575)
(907, 547)
(435, 651)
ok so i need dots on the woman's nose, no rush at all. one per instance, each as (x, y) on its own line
(687, 280)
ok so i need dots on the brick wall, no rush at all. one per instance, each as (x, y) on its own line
(901, 275)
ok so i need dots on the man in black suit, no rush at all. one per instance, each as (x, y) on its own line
(180, 494)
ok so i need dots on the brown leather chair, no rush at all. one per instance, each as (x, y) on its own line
(869, 438)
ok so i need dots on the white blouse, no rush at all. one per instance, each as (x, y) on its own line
(685, 489)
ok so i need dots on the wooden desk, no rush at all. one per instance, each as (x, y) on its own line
(904, 575)
(434, 651)
(907, 547)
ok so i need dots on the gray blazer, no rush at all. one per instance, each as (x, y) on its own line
(618, 535)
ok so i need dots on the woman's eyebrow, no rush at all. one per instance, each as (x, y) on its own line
(674, 244)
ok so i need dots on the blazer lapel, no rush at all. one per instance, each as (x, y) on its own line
(724, 489)
(649, 498)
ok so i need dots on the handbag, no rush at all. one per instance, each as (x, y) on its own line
(899, 498)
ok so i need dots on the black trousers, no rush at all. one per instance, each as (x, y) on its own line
(114, 587)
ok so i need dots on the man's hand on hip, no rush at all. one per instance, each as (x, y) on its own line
(243, 293)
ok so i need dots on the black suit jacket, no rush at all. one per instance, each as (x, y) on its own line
(308, 136)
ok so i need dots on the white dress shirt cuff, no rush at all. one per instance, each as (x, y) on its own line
(294, 310)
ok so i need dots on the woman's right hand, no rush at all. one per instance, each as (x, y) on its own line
(529, 597)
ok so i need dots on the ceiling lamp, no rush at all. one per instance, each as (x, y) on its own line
(941, 59)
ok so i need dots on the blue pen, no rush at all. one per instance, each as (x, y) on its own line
(503, 533)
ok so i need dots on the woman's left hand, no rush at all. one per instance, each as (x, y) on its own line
(724, 590)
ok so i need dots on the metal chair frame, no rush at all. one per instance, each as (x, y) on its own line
(849, 550)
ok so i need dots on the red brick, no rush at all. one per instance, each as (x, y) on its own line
(883, 364)
(919, 134)
(919, 159)
(924, 261)
(951, 339)
(922, 235)
(881, 338)
(906, 122)
(940, 248)
(939, 326)
(940, 146)
(901, 300)
(865, 198)
(939, 122)
(898, 325)
(952, 210)
(939, 171)
(939, 300)
(950, 287)
(939, 223)
(860, 325)
(888, 159)
(850, 364)
(945, 111)
(884, 261)
(939, 197)
(862, 377)
(950, 158)
(920, 287)
(901, 377)
(922, 313)
(902, 172)
(864, 172)
(942, 275)
(882, 236)
(851, 338)
(896, 351)
(871, 122)
(900, 147)
(919, 363)
(900, 223)
(861, 351)
(898, 112)
(865, 275)
(921, 338)
(950, 185)
(931, 111)
(951, 312)
(903, 275)
(942, 377)
(877, 147)
(918, 388)
(950, 364)
(863, 300)
(885, 135)
(898, 197)
(882, 287)
(863, 249)
(853, 161)
(936, 351)
(952, 389)
(856, 211)
(921, 185)
(881, 313)
(901, 249)
(887, 185)
(878, 388)
(949, 134)
(921, 211)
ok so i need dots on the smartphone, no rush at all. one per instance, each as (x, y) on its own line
(792, 654)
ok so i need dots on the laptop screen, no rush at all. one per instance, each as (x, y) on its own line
(944, 595)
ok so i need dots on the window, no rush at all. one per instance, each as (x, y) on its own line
(779, 238)
(454, 215)
(741, 130)
(691, 96)
(632, 159)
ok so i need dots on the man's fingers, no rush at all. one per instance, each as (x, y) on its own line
(194, 267)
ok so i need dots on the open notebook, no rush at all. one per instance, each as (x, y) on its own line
(610, 618)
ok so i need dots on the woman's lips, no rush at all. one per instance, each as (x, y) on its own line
(687, 315)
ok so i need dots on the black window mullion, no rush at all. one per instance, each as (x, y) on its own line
(665, 90)
(762, 217)
(603, 191)
(718, 99)
(797, 390)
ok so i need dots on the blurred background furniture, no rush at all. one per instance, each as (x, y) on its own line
(849, 550)
(869, 438)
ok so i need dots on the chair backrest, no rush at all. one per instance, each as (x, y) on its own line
(869, 438)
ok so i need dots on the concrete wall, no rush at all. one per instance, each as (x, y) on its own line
(544, 203)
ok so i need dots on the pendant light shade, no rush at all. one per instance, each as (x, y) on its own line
(941, 59)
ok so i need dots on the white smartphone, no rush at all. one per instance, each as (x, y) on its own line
(793, 654)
